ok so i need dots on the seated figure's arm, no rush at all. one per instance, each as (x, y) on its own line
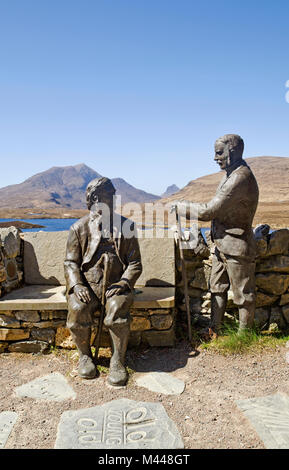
(72, 262)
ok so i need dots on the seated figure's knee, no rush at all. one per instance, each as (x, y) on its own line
(117, 312)
(79, 314)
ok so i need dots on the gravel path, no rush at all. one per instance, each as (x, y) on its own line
(205, 413)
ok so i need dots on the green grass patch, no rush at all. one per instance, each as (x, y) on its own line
(231, 342)
(102, 369)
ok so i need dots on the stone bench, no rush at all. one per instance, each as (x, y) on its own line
(33, 317)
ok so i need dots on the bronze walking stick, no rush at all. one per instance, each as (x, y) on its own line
(184, 274)
(96, 343)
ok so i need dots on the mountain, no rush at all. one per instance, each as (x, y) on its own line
(272, 175)
(64, 187)
(130, 194)
(170, 190)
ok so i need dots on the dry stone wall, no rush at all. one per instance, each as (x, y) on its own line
(11, 260)
(35, 331)
(272, 279)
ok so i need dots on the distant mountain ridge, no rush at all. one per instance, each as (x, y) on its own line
(172, 189)
(64, 187)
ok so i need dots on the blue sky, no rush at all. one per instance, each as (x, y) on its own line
(140, 89)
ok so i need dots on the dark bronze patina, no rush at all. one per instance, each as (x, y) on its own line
(231, 211)
(96, 244)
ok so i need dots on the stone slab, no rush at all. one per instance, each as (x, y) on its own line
(119, 424)
(161, 382)
(270, 418)
(158, 262)
(35, 298)
(52, 387)
(154, 297)
(7, 421)
(53, 298)
(44, 254)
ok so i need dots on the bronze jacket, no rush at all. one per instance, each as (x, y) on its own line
(83, 239)
(231, 210)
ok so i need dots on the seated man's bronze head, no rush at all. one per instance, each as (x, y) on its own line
(100, 190)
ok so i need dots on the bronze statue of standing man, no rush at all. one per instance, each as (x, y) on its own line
(101, 233)
(231, 211)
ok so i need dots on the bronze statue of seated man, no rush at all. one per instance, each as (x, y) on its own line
(90, 239)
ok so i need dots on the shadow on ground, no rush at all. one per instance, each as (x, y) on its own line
(161, 359)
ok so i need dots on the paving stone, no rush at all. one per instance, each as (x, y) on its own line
(7, 421)
(161, 382)
(119, 424)
(270, 417)
(52, 387)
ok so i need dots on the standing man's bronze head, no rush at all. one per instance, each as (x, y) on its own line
(228, 150)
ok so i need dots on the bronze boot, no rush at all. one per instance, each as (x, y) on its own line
(117, 372)
(246, 317)
(218, 307)
(86, 366)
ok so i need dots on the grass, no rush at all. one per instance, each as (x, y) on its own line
(230, 342)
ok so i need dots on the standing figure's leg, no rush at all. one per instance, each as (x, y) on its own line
(219, 286)
(246, 317)
(117, 320)
(218, 308)
(242, 278)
